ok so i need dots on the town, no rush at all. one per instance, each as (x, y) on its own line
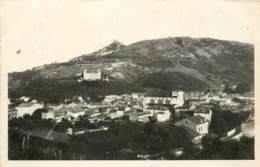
(195, 112)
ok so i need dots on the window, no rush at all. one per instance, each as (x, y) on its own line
(160, 101)
(167, 101)
(152, 101)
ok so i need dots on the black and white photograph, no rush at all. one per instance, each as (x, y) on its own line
(128, 80)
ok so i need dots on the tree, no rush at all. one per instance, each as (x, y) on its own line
(216, 149)
(125, 118)
(63, 126)
(149, 127)
(218, 124)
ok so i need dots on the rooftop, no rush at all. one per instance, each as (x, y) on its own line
(175, 93)
(197, 119)
(202, 109)
(27, 104)
(156, 107)
(144, 113)
(74, 107)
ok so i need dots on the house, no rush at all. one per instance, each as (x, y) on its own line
(96, 105)
(69, 131)
(116, 114)
(144, 117)
(74, 110)
(12, 113)
(194, 103)
(59, 115)
(194, 95)
(174, 93)
(93, 75)
(173, 101)
(163, 116)
(196, 127)
(54, 106)
(111, 98)
(196, 123)
(75, 114)
(155, 109)
(28, 108)
(138, 96)
(204, 111)
(179, 94)
(140, 117)
(228, 101)
(161, 113)
(56, 114)
(181, 110)
(48, 115)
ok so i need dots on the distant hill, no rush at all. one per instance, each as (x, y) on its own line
(167, 63)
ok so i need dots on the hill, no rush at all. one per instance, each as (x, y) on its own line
(167, 63)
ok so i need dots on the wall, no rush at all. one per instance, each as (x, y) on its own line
(202, 128)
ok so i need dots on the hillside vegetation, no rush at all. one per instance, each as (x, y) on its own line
(169, 63)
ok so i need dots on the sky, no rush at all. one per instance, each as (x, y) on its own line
(36, 32)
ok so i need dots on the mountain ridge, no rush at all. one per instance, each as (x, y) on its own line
(206, 61)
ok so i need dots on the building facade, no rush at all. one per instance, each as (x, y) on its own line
(91, 75)
(48, 115)
(196, 123)
(177, 100)
(161, 113)
(140, 117)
